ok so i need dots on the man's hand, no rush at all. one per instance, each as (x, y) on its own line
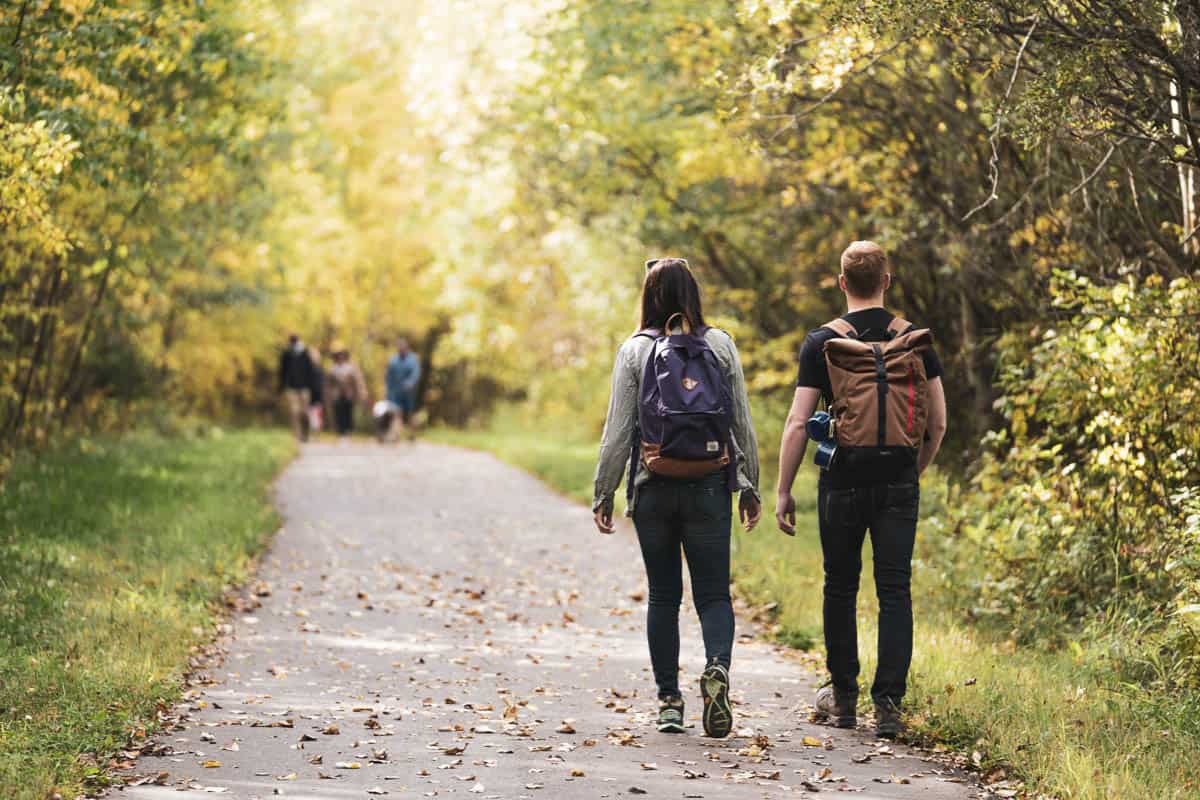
(785, 513)
(750, 510)
(604, 520)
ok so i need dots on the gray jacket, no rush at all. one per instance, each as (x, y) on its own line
(616, 444)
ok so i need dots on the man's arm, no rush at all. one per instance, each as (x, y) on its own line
(283, 370)
(791, 454)
(935, 426)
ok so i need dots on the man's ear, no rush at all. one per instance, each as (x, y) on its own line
(842, 282)
(887, 281)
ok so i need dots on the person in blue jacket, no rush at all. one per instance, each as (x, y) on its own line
(403, 373)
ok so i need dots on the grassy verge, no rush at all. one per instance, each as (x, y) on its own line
(112, 557)
(1061, 720)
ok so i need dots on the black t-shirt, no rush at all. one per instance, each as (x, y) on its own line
(871, 324)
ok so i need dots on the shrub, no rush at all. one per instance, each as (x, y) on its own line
(1088, 503)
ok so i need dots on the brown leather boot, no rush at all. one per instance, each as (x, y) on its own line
(838, 708)
(887, 720)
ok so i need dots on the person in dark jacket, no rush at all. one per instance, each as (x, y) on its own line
(295, 383)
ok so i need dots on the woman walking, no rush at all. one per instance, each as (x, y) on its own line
(348, 388)
(681, 423)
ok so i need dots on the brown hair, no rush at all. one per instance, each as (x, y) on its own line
(864, 265)
(669, 289)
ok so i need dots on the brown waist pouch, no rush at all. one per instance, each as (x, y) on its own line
(668, 467)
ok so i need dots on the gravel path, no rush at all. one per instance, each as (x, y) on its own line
(434, 623)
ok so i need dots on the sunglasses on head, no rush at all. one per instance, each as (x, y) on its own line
(652, 263)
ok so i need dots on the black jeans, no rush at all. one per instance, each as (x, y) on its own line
(694, 515)
(343, 415)
(889, 512)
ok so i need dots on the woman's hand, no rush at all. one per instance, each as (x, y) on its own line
(604, 520)
(750, 510)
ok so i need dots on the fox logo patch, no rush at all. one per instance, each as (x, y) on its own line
(690, 384)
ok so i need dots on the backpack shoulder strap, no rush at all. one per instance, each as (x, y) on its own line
(898, 327)
(649, 333)
(841, 327)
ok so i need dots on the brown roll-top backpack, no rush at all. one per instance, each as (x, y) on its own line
(880, 397)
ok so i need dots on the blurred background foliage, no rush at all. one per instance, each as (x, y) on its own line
(182, 183)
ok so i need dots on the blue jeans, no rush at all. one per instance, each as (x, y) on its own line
(693, 516)
(889, 512)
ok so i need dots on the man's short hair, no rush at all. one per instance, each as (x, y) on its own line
(864, 264)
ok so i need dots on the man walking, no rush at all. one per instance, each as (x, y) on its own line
(403, 373)
(871, 483)
(296, 376)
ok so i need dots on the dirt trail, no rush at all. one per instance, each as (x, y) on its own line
(439, 624)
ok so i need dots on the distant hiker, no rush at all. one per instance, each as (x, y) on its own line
(347, 388)
(295, 383)
(688, 443)
(882, 383)
(403, 373)
(316, 399)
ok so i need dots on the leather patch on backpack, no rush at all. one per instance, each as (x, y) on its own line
(668, 467)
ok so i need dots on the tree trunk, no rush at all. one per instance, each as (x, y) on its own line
(1187, 18)
(977, 368)
(428, 348)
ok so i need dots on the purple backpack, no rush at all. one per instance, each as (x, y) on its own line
(685, 410)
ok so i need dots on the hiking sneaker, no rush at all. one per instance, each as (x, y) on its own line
(888, 724)
(670, 715)
(718, 713)
(837, 708)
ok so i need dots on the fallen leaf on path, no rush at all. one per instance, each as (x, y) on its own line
(811, 741)
(348, 765)
(566, 727)
(210, 764)
(331, 729)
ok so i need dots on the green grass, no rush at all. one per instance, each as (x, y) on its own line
(1063, 720)
(113, 557)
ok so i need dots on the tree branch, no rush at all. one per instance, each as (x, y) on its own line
(994, 161)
